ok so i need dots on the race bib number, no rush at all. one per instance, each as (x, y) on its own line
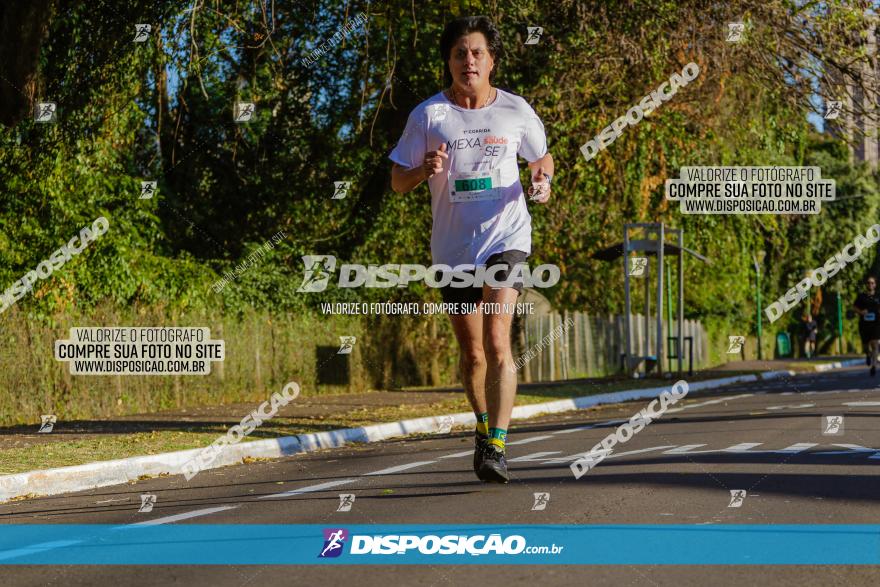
(475, 186)
(870, 317)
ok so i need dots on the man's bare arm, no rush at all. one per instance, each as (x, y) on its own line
(404, 180)
(546, 162)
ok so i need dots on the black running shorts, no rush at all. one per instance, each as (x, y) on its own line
(472, 295)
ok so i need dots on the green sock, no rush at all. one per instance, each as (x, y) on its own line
(498, 437)
(483, 424)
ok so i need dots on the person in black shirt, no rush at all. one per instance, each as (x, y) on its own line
(867, 306)
(812, 329)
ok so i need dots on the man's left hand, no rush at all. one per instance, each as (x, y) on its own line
(540, 190)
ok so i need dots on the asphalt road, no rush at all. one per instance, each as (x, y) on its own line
(765, 438)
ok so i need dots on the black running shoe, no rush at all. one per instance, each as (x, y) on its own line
(480, 445)
(494, 467)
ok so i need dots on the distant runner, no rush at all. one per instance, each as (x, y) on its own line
(811, 328)
(867, 306)
(465, 141)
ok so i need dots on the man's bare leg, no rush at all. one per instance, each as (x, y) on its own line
(500, 380)
(500, 373)
(874, 345)
(468, 330)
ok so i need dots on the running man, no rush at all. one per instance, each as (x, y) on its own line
(867, 306)
(811, 328)
(464, 142)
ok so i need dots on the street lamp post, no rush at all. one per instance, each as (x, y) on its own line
(839, 319)
(758, 260)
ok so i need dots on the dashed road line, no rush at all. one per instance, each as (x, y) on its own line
(37, 548)
(398, 468)
(179, 517)
(575, 429)
(310, 489)
(791, 407)
(455, 455)
(852, 448)
(530, 439)
(535, 456)
(602, 452)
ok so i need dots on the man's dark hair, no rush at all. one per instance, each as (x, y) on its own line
(464, 26)
(874, 277)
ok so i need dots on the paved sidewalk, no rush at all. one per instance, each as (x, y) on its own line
(813, 364)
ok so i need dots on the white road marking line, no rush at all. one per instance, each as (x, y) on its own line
(682, 450)
(455, 455)
(853, 448)
(794, 448)
(671, 410)
(37, 548)
(44, 546)
(535, 456)
(577, 429)
(824, 392)
(790, 407)
(742, 447)
(399, 468)
(603, 424)
(686, 449)
(528, 440)
(572, 458)
(635, 452)
(720, 400)
(710, 402)
(309, 489)
(861, 404)
(569, 459)
(178, 517)
(726, 399)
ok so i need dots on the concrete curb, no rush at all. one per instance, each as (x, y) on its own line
(104, 473)
(840, 364)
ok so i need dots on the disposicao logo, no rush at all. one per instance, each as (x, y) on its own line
(431, 544)
(334, 541)
(317, 272)
(318, 269)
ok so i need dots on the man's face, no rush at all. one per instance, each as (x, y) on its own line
(872, 285)
(470, 62)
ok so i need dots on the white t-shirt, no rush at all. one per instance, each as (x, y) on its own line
(472, 223)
